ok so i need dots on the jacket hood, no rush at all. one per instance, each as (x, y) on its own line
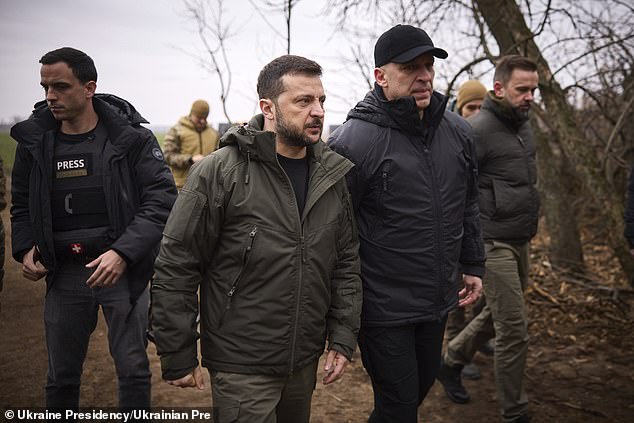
(252, 139)
(257, 144)
(401, 113)
(115, 112)
(110, 104)
(500, 108)
(118, 108)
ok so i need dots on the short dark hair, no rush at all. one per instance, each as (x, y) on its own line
(270, 79)
(507, 64)
(79, 62)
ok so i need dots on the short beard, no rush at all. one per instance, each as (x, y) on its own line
(290, 136)
(522, 115)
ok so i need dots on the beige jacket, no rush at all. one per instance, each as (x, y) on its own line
(182, 142)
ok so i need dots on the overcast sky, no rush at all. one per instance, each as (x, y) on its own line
(137, 46)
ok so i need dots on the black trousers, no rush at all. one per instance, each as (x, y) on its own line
(70, 316)
(402, 363)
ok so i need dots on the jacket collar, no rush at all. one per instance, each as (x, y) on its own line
(259, 145)
(187, 123)
(401, 113)
(118, 115)
(503, 111)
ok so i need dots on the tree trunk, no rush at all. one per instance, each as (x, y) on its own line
(506, 22)
(557, 204)
(507, 25)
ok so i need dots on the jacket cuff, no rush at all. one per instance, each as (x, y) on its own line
(343, 349)
(178, 364)
(19, 256)
(343, 341)
(473, 270)
(123, 256)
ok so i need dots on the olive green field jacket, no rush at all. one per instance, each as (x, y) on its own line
(274, 285)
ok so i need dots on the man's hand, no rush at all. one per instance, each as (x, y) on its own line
(197, 158)
(31, 267)
(192, 380)
(471, 291)
(334, 367)
(110, 266)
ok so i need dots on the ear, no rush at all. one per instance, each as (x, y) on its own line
(91, 88)
(268, 108)
(380, 77)
(498, 89)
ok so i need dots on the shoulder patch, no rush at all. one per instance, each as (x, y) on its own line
(157, 153)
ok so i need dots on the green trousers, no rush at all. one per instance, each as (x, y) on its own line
(239, 398)
(504, 283)
(459, 317)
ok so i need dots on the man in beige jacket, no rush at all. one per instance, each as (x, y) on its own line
(189, 141)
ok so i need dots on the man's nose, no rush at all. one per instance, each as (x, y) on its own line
(317, 110)
(424, 75)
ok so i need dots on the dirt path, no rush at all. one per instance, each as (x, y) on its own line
(579, 369)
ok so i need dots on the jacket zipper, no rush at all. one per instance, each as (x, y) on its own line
(302, 260)
(526, 160)
(437, 226)
(245, 258)
(314, 186)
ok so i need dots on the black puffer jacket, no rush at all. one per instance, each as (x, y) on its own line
(274, 284)
(414, 189)
(509, 202)
(138, 187)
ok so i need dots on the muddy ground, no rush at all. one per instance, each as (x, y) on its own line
(579, 366)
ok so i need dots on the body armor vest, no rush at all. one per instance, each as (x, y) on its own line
(80, 216)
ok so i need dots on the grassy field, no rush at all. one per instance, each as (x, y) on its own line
(7, 149)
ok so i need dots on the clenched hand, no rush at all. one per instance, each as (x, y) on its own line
(31, 267)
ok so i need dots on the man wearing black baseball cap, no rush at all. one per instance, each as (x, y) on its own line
(414, 191)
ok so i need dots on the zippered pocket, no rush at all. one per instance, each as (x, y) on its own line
(381, 194)
(246, 253)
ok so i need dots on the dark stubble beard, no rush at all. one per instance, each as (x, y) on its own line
(521, 114)
(291, 136)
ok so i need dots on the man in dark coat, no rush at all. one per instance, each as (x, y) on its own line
(509, 206)
(414, 192)
(91, 194)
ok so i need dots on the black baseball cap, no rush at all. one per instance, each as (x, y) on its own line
(403, 43)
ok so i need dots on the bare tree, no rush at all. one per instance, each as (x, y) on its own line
(584, 53)
(213, 33)
(281, 6)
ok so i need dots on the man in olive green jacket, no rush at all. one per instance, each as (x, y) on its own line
(264, 228)
(189, 141)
